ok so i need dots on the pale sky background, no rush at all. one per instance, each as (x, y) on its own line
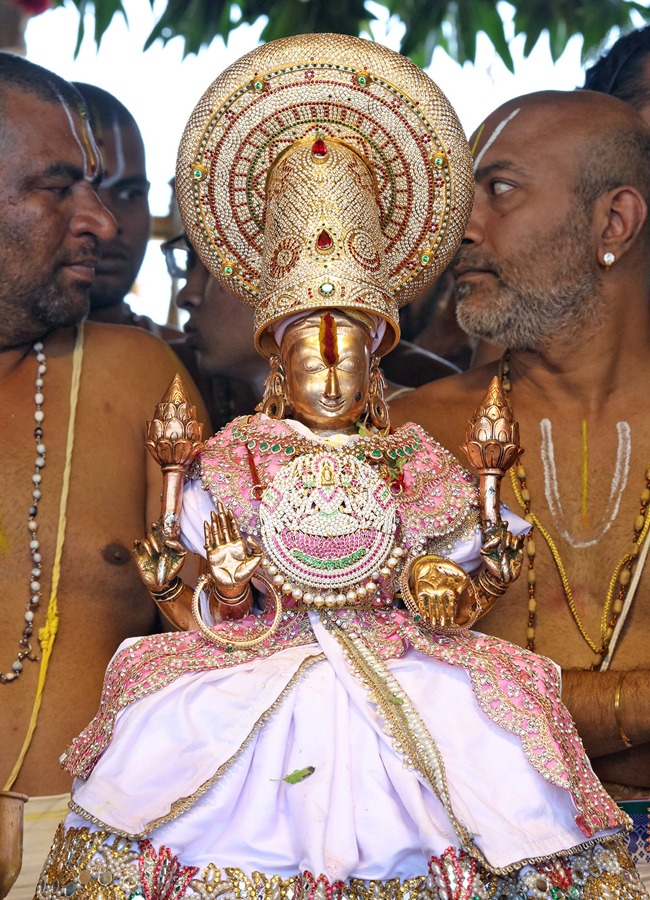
(161, 88)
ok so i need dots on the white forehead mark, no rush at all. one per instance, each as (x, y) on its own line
(495, 134)
(88, 166)
(119, 156)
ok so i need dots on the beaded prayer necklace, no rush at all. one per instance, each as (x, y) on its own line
(621, 576)
(25, 651)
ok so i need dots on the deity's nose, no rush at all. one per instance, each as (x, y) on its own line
(332, 387)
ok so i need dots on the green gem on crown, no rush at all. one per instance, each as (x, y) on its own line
(228, 270)
(425, 258)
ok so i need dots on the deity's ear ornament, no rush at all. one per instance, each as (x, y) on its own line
(324, 171)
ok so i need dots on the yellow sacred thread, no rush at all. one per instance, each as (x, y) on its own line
(585, 473)
(47, 633)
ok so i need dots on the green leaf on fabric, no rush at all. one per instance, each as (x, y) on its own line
(297, 775)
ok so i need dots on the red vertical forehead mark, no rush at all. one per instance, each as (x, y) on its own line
(329, 346)
(90, 148)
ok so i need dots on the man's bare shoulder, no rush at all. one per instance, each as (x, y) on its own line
(443, 407)
(129, 353)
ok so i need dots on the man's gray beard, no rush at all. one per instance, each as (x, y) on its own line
(553, 293)
(58, 310)
(44, 303)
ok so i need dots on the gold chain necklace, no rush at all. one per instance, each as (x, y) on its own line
(621, 576)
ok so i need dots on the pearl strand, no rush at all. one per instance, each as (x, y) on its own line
(25, 651)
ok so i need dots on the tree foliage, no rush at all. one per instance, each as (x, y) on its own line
(451, 24)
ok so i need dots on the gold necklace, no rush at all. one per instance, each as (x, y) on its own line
(621, 576)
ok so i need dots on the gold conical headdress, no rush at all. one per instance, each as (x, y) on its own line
(324, 171)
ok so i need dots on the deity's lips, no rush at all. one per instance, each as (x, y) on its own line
(333, 405)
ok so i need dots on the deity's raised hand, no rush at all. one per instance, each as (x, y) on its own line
(159, 558)
(232, 559)
(503, 555)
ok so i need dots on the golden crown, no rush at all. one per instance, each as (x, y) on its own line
(324, 171)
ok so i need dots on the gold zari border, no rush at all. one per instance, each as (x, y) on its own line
(102, 866)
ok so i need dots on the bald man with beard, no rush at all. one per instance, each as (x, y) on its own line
(78, 483)
(555, 266)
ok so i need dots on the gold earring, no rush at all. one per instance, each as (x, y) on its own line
(275, 403)
(377, 409)
(609, 259)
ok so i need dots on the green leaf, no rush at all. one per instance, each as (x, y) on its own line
(297, 775)
(198, 22)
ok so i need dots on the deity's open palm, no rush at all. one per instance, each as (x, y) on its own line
(232, 560)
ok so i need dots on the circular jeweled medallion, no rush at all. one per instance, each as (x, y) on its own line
(328, 521)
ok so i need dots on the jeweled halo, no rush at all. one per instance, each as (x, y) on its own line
(340, 91)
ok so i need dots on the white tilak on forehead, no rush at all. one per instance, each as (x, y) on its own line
(119, 156)
(495, 134)
(87, 161)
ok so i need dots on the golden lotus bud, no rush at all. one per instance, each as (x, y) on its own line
(174, 434)
(492, 437)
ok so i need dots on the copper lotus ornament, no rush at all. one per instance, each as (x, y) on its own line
(174, 434)
(174, 437)
(492, 446)
(492, 437)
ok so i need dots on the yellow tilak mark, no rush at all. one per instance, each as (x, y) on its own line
(585, 472)
(477, 138)
(4, 542)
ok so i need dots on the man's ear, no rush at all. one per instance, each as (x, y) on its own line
(619, 217)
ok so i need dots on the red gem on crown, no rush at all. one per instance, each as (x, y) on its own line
(320, 148)
(324, 240)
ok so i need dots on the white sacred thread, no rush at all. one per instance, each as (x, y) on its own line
(619, 481)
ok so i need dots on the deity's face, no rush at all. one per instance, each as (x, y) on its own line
(326, 360)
